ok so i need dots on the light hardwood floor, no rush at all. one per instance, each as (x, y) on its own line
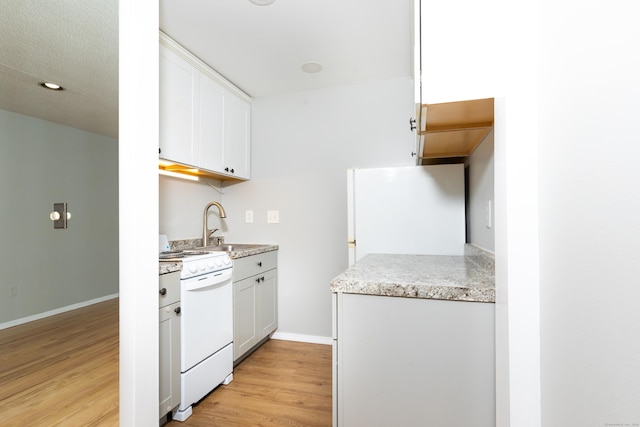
(63, 371)
(283, 383)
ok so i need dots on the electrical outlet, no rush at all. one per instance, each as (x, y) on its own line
(273, 217)
(248, 217)
(13, 290)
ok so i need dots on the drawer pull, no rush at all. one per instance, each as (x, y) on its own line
(260, 264)
(163, 291)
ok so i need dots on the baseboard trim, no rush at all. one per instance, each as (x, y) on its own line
(60, 310)
(312, 339)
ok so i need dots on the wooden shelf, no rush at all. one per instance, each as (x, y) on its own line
(454, 129)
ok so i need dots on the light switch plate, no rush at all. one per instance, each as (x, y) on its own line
(248, 217)
(488, 214)
(273, 217)
(61, 222)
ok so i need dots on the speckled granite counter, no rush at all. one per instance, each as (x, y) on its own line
(176, 245)
(253, 251)
(455, 278)
(169, 267)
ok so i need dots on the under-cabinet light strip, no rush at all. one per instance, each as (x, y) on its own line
(178, 175)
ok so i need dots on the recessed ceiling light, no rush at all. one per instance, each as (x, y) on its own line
(262, 2)
(52, 86)
(311, 67)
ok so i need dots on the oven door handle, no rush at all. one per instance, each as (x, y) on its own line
(208, 280)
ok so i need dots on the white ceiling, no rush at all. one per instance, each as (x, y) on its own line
(258, 48)
(261, 48)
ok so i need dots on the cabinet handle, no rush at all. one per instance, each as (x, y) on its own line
(177, 310)
(163, 291)
(226, 169)
(159, 150)
(258, 280)
(260, 264)
(232, 171)
(412, 123)
(262, 278)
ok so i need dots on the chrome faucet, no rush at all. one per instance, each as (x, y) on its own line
(206, 232)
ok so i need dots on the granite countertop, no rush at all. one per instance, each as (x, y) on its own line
(167, 267)
(176, 245)
(456, 278)
(252, 251)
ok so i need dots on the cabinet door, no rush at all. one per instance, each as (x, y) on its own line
(169, 358)
(254, 264)
(267, 310)
(424, 358)
(244, 317)
(169, 287)
(211, 125)
(177, 104)
(237, 136)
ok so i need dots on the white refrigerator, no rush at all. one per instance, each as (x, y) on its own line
(406, 210)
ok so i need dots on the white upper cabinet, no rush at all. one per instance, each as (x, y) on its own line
(416, 53)
(462, 51)
(211, 125)
(237, 126)
(177, 108)
(205, 121)
(455, 77)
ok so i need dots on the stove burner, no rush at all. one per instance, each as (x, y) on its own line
(171, 254)
(179, 254)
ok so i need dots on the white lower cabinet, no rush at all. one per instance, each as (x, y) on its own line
(255, 301)
(412, 362)
(169, 354)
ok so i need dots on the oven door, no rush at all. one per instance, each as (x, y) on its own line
(206, 323)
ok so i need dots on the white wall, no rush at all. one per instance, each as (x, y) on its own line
(302, 145)
(487, 49)
(138, 57)
(565, 80)
(590, 213)
(182, 205)
(481, 190)
(42, 163)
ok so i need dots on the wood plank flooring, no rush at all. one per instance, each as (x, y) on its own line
(283, 383)
(63, 371)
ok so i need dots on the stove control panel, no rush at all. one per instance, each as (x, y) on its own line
(196, 265)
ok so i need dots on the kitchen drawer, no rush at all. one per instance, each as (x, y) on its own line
(254, 264)
(170, 283)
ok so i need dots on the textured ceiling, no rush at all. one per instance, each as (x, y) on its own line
(259, 48)
(71, 42)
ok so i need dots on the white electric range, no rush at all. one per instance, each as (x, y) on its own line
(206, 324)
